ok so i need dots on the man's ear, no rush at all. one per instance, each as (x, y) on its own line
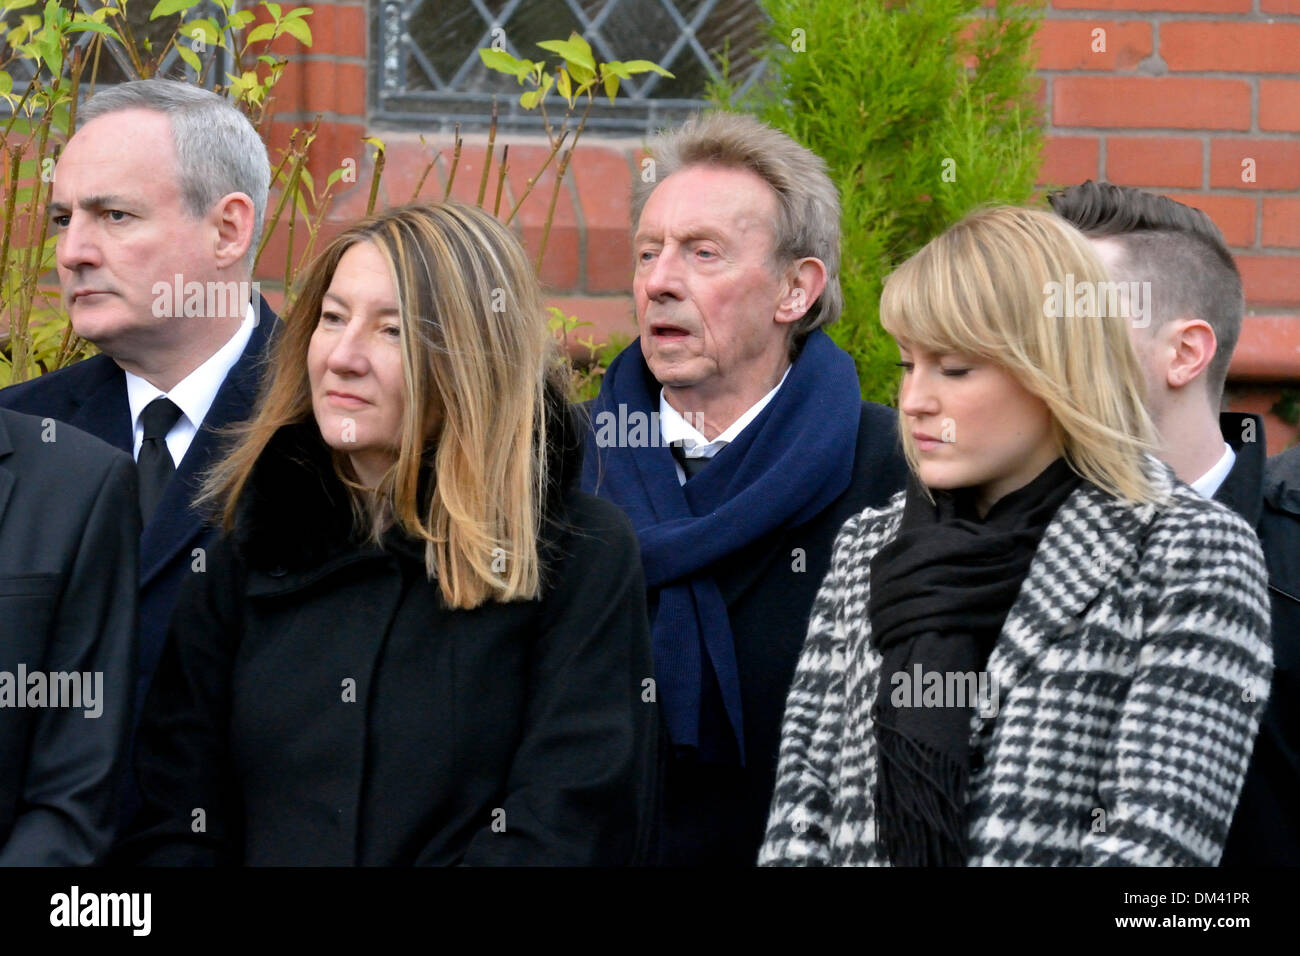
(804, 283)
(1191, 344)
(232, 216)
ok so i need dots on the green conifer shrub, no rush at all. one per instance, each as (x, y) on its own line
(923, 110)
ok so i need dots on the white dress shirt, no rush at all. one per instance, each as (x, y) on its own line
(1209, 483)
(193, 394)
(673, 427)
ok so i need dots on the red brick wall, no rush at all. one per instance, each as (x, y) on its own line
(1182, 93)
(1185, 92)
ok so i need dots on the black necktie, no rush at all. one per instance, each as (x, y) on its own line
(155, 462)
(692, 466)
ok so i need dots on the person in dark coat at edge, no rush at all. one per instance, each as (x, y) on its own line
(419, 642)
(733, 434)
(157, 202)
(1184, 336)
(69, 540)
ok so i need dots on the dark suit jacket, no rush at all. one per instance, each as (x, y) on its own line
(715, 815)
(69, 539)
(1266, 827)
(91, 395)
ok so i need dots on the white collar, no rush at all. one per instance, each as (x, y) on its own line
(194, 393)
(674, 427)
(1209, 483)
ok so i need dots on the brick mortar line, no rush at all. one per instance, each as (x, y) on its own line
(332, 58)
(1175, 16)
(1269, 136)
(337, 119)
(1254, 104)
(620, 144)
(1172, 74)
(1188, 133)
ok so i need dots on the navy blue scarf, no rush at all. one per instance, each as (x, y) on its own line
(787, 466)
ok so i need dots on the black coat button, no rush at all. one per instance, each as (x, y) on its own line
(976, 761)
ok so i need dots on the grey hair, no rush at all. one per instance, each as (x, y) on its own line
(808, 221)
(217, 149)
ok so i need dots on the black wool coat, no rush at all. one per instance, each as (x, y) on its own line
(318, 704)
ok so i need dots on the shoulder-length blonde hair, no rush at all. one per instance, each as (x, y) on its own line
(476, 358)
(994, 286)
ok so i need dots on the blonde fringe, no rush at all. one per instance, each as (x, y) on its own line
(978, 289)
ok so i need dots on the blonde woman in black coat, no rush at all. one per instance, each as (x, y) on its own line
(1047, 650)
(417, 643)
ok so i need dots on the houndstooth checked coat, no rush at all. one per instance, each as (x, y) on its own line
(1132, 671)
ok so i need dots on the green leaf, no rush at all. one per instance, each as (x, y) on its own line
(611, 86)
(190, 57)
(644, 66)
(297, 29)
(263, 31)
(166, 8)
(240, 19)
(530, 98)
(375, 142)
(206, 30)
(575, 50)
(11, 5)
(273, 8)
(61, 116)
(562, 85)
(297, 12)
(6, 82)
(48, 45)
(28, 24)
(305, 176)
(580, 73)
(334, 177)
(503, 62)
(84, 26)
(267, 59)
(240, 85)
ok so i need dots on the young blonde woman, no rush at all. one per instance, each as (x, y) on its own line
(1047, 650)
(417, 643)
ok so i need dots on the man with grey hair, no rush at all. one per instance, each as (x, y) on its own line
(733, 434)
(157, 204)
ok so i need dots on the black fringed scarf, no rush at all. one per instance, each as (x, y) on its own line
(940, 593)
